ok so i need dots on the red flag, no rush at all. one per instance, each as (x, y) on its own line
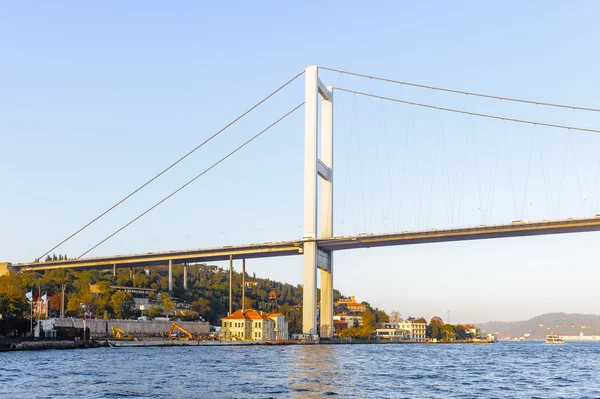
(36, 296)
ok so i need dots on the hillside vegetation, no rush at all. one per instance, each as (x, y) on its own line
(207, 297)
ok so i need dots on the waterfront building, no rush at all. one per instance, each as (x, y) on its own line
(407, 330)
(134, 290)
(474, 331)
(339, 326)
(254, 325)
(251, 284)
(351, 304)
(272, 295)
(281, 326)
(393, 334)
(351, 321)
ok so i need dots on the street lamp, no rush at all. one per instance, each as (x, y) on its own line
(84, 307)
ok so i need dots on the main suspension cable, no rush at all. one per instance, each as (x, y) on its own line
(519, 100)
(193, 179)
(173, 164)
(468, 112)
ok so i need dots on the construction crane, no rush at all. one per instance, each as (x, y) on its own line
(186, 332)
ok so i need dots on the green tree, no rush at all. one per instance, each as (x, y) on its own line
(12, 296)
(395, 316)
(449, 332)
(168, 303)
(202, 306)
(380, 316)
(368, 324)
(154, 311)
(122, 303)
(436, 321)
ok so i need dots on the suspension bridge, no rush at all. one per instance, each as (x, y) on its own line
(318, 243)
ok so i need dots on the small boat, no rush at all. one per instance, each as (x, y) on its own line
(554, 339)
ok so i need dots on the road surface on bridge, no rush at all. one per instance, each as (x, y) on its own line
(288, 248)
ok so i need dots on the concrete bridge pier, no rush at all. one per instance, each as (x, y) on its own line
(230, 285)
(313, 169)
(114, 269)
(170, 275)
(243, 283)
(185, 276)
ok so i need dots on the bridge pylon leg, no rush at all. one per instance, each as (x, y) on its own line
(309, 289)
(313, 169)
(326, 315)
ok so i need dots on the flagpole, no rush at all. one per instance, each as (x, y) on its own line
(38, 307)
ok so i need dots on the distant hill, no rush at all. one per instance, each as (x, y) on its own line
(539, 326)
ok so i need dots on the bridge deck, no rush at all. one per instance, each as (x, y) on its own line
(287, 248)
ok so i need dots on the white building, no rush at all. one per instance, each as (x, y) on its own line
(281, 326)
(406, 331)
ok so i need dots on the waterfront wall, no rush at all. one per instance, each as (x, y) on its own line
(99, 328)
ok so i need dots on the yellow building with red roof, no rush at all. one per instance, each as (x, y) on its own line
(254, 325)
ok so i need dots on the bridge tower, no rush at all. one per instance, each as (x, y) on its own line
(316, 167)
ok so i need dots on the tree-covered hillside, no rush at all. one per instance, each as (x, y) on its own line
(207, 294)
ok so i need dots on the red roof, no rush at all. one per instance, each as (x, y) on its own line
(247, 314)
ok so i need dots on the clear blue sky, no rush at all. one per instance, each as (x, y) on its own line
(94, 99)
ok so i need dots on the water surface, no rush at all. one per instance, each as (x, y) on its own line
(503, 370)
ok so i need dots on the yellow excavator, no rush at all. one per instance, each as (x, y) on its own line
(118, 333)
(183, 330)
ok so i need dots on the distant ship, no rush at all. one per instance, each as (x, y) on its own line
(554, 339)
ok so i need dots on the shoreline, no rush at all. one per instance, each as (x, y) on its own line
(100, 343)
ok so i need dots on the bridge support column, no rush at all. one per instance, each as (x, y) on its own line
(114, 269)
(243, 283)
(131, 273)
(185, 277)
(170, 275)
(230, 285)
(313, 169)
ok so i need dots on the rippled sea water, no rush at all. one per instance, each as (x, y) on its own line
(502, 370)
